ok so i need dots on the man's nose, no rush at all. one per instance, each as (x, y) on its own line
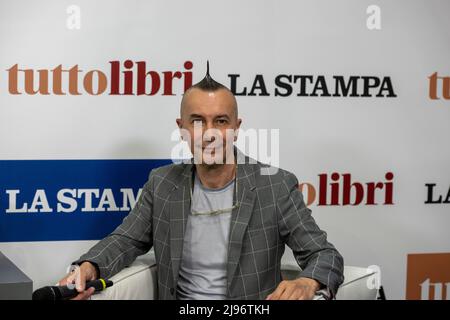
(208, 135)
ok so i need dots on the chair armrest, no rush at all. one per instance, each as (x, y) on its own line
(136, 282)
(355, 286)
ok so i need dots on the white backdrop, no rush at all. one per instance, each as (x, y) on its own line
(367, 137)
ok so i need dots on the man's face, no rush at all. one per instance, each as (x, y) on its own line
(209, 124)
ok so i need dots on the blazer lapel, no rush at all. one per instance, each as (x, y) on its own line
(240, 217)
(180, 203)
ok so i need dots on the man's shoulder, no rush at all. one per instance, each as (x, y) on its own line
(168, 173)
(171, 168)
(269, 175)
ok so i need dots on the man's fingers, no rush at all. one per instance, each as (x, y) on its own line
(80, 296)
(301, 296)
(290, 290)
(80, 281)
(278, 292)
(287, 293)
(90, 292)
(275, 295)
(67, 280)
(306, 294)
(85, 295)
(296, 294)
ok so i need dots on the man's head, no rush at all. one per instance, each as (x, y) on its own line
(209, 120)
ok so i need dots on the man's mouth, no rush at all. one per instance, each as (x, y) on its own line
(210, 147)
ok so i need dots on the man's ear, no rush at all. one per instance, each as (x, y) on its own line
(180, 126)
(236, 131)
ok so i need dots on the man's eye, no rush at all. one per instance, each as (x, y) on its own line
(221, 121)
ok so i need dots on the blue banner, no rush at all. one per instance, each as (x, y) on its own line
(53, 200)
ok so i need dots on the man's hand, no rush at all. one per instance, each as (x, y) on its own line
(86, 272)
(298, 289)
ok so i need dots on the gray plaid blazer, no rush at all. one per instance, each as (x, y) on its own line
(271, 214)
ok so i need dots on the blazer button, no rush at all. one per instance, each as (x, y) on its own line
(172, 291)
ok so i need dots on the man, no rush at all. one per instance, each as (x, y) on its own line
(219, 223)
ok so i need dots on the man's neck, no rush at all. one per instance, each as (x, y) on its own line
(215, 176)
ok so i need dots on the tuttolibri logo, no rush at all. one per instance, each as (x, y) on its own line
(127, 78)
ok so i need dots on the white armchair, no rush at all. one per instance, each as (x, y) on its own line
(138, 282)
(359, 283)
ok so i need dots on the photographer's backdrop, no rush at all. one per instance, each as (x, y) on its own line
(359, 91)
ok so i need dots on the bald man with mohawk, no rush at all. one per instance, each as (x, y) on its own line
(220, 222)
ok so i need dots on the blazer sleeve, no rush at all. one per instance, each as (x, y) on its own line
(132, 238)
(318, 259)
